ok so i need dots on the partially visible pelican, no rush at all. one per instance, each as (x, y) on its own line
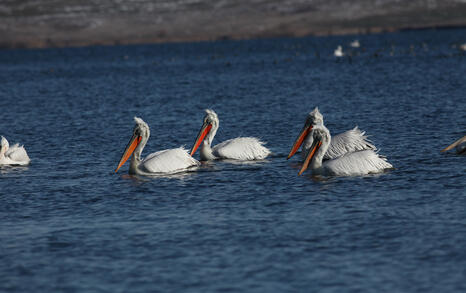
(14, 156)
(338, 52)
(355, 44)
(162, 162)
(460, 145)
(348, 141)
(351, 164)
(240, 148)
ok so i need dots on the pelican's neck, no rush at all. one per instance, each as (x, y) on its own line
(210, 136)
(316, 162)
(310, 138)
(206, 149)
(136, 157)
(3, 147)
(2, 152)
(206, 152)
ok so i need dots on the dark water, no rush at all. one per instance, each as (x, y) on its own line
(69, 224)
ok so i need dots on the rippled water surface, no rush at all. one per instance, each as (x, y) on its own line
(69, 224)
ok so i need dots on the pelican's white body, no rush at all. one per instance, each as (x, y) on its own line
(350, 164)
(15, 155)
(355, 164)
(168, 161)
(240, 148)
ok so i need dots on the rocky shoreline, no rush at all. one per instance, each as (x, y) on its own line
(48, 23)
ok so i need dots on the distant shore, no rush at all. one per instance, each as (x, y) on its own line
(63, 43)
(35, 25)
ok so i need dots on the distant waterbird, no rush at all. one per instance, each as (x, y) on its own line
(338, 52)
(240, 148)
(355, 44)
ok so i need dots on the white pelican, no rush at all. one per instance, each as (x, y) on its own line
(162, 162)
(460, 145)
(355, 44)
(338, 52)
(351, 164)
(14, 156)
(240, 148)
(348, 141)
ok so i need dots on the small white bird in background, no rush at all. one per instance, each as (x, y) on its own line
(350, 164)
(168, 161)
(355, 44)
(13, 156)
(463, 47)
(338, 52)
(348, 141)
(240, 148)
(460, 146)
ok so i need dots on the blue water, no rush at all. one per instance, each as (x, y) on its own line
(69, 224)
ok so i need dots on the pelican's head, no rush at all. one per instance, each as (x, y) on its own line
(313, 119)
(211, 117)
(141, 127)
(321, 140)
(141, 131)
(4, 145)
(210, 122)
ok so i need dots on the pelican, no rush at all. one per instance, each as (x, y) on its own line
(350, 164)
(168, 161)
(338, 52)
(460, 145)
(240, 148)
(13, 156)
(348, 141)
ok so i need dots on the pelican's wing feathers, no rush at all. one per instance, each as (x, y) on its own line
(168, 161)
(348, 142)
(357, 163)
(241, 148)
(18, 154)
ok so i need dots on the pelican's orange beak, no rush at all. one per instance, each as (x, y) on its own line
(312, 151)
(299, 140)
(454, 144)
(133, 143)
(205, 129)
